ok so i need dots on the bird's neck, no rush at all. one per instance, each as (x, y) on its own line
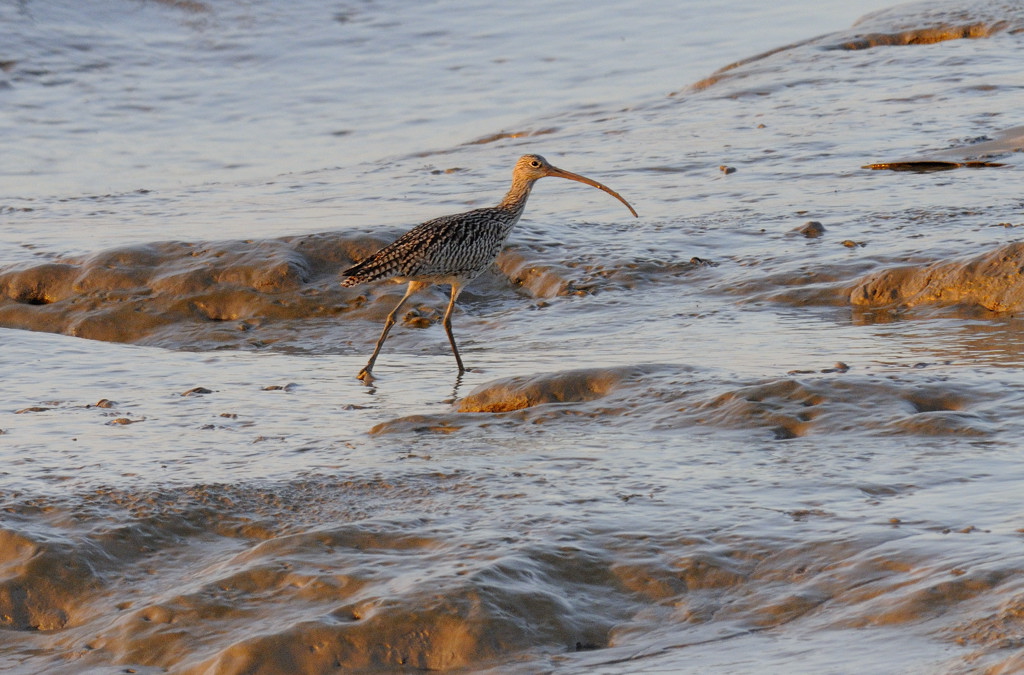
(515, 200)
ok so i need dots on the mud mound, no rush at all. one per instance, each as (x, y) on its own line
(993, 281)
(258, 293)
(996, 637)
(129, 294)
(791, 408)
(590, 392)
(43, 583)
(312, 594)
(669, 397)
(929, 22)
(516, 393)
(907, 24)
(546, 277)
(278, 586)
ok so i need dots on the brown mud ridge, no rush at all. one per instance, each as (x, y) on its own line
(255, 293)
(307, 576)
(669, 397)
(908, 24)
(992, 281)
(134, 293)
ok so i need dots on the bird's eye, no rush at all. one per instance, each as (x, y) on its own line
(534, 164)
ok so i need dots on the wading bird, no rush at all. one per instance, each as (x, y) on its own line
(455, 249)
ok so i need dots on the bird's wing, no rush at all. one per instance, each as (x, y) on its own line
(409, 254)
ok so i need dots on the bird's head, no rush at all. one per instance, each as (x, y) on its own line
(534, 167)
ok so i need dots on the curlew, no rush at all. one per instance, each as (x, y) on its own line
(455, 249)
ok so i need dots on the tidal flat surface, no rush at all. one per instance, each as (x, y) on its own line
(717, 438)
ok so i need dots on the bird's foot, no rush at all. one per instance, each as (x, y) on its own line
(366, 376)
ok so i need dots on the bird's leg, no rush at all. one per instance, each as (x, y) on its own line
(456, 289)
(364, 374)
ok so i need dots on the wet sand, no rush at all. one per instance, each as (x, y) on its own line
(715, 440)
(426, 562)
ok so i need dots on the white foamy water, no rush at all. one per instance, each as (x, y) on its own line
(654, 464)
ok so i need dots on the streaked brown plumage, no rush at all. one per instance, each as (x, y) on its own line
(455, 249)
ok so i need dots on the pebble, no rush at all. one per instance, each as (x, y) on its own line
(812, 229)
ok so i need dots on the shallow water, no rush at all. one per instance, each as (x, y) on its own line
(700, 441)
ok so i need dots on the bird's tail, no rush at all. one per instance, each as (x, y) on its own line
(370, 269)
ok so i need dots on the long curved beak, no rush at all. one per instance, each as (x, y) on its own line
(561, 173)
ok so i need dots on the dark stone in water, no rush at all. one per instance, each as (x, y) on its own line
(197, 391)
(812, 229)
